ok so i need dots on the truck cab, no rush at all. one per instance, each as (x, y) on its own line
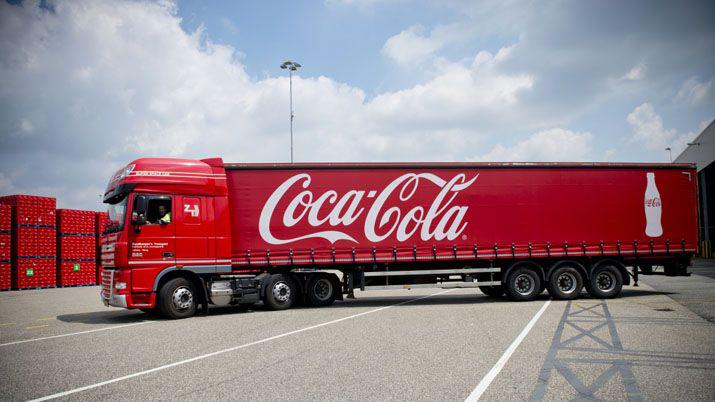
(165, 216)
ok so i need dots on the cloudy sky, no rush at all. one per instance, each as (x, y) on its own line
(87, 86)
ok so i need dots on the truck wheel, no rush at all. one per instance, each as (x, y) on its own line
(492, 291)
(177, 298)
(523, 284)
(605, 282)
(280, 292)
(320, 291)
(565, 283)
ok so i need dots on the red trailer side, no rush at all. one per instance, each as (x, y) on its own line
(293, 214)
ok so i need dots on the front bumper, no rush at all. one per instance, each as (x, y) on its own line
(114, 300)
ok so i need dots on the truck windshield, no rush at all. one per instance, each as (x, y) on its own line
(116, 212)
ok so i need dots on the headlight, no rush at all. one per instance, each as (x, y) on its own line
(120, 285)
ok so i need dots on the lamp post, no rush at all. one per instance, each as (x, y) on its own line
(670, 154)
(291, 66)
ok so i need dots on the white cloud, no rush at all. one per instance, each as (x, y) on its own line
(554, 145)
(636, 73)
(693, 91)
(415, 45)
(459, 93)
(100, 83)
(648, 130)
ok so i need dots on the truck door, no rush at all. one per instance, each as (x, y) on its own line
(193, 229)
(152, 246)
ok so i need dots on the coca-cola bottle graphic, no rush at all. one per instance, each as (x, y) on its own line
(652, 207)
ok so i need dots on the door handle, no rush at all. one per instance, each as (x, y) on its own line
(168, 255)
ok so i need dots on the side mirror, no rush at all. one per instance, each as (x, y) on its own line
(139, 212)
(138, 219)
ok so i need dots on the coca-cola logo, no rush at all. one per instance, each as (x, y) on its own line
(439, 220)
(652, 202)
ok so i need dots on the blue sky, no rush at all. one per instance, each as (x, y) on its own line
(331, 39)
(87, 86)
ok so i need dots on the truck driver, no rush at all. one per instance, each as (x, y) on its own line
(164, 215)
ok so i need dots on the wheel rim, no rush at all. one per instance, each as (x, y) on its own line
(566, 282)
(281, 292)
(524, 284)
(605, 281)
(182, 298)
(322, 289)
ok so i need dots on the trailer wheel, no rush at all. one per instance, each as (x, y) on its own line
(605, 282)
(281, 292)
(492, 291)
(177, 298)
(523, 284)
(320, 290)
(565, 283)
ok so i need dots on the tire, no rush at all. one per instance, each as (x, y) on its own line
(492, 291)
(281, 292)
(605, 282)
(320, 290)
(565, 283)
(523, 284)
(177, 298)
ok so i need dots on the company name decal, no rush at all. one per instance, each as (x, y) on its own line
(439, 220)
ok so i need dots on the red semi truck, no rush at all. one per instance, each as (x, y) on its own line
(186, 234)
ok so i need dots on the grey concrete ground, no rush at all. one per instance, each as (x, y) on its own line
(654, 343)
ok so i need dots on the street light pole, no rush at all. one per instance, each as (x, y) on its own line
(291, 66)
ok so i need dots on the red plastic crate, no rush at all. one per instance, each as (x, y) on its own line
(5, 276)
(32, 273)
(76, 247)
(5, 248)
(100, 224)
(75, 273)
(5, 218)
(33, 241)
(31, 209)
(76, 221)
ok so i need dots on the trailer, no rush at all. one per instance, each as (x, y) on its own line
(184, 235)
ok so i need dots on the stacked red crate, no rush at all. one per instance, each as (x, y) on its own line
(100, 224)
(5, 246)
(76, 248)
(33, 241)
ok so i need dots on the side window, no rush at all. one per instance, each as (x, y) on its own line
(159, 210)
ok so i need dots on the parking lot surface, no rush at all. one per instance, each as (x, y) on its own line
(657, 342)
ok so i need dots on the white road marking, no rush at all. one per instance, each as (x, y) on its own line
(492, 374)
(231, 349)
(73, 333)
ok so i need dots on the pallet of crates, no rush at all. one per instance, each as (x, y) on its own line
(5, 246)
(100, 225)
(76, 249)
(34, 247)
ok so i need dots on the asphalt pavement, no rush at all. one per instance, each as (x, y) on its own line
(657, 342)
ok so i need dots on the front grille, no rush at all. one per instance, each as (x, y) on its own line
(107, 280)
